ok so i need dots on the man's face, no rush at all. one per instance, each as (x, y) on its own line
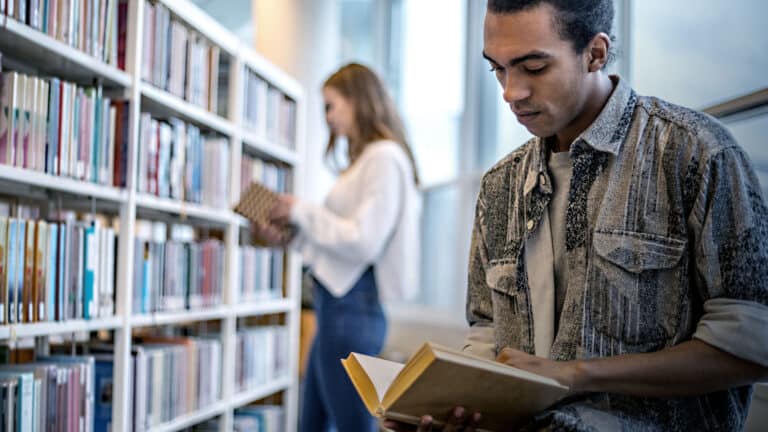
(541, 76)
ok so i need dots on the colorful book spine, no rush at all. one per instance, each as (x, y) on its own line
(51, 280)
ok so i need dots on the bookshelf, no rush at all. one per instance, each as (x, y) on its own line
(35, 53)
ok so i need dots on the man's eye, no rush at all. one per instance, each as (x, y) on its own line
(535, 69)
(495, 68)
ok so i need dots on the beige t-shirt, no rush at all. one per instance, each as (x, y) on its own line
(560, 171)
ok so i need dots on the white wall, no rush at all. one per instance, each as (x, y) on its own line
(302, 37)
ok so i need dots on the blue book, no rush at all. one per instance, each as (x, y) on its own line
(89, 269)
(61, 276)
(20, 250)
(13, 232)
(44, 10)
(102, 415)
(53, 236)
(52, 143)
(146, 280)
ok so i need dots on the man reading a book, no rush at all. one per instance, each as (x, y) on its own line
(623, 250)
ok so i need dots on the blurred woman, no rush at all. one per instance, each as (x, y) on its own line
(362, 245)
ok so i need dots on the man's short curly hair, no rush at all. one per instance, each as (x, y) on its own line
(578, 21)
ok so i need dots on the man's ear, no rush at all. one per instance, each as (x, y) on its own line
(598, 50)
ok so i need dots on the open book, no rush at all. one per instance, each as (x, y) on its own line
(437, 379)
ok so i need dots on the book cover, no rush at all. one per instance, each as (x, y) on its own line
(437, 379)
(256, 203)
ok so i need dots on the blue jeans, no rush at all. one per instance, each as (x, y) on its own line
(356, 323)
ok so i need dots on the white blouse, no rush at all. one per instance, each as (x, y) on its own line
(371, 217)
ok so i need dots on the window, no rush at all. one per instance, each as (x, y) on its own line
(235, 15)
(699, 52)
(750, 130)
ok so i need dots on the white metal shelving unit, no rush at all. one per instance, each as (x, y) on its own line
(48, 56)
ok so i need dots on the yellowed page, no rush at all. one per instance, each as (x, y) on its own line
(381, 372)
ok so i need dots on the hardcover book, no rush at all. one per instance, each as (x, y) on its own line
(437, 379)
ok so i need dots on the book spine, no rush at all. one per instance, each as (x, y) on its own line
(51, 278)
(3, 269)
(90, 287)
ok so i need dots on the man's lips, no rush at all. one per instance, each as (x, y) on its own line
(525, 117)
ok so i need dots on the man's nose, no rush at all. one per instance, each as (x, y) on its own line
(515, 90)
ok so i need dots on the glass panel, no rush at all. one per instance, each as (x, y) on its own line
(432, 84)
(235, 15)
(356, 35)
(751, 133)
(699, 52)
(439, 234)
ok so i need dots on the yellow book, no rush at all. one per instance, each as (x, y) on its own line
(437, 379)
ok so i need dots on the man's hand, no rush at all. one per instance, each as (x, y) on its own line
(671, 372)
(459, 421)
(566, 373)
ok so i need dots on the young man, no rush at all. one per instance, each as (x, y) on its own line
(622, 251)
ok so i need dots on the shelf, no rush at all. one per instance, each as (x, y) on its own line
(22, 178)
(53, 57)
(260, 392)
(204, 24)
(268, 149)
(15, 331)
(184, 209)
(163, 318)
(191, 419)
(264, 307)
(160, 102)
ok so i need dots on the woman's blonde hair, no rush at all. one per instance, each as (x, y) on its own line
(375, 115)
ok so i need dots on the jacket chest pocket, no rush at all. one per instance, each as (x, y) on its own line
(636, 286)
(506, 279)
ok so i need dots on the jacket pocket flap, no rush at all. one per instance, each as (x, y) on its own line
(636, 251)
(501, 276)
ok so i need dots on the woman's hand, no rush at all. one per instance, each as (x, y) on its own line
(269, 235)
(281, 211)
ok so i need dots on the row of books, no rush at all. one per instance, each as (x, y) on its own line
(272, 176)
(56, 271)
(255, 418)
(55, 393)
(174, 376)
(177, 273)
(54, 126)
(268, 112)
(261, 356)
(176, 161)
(96, 27)
(179, 60)
(261, 273)
(262, 418)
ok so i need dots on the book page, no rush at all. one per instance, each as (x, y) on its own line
(381, 372)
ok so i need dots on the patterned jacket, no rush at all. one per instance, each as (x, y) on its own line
(666, 240)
